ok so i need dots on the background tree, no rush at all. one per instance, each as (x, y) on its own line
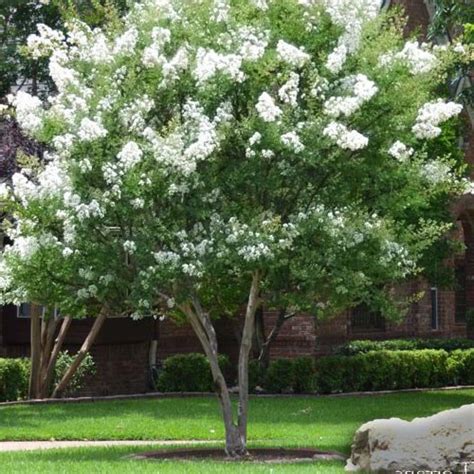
(212, 156)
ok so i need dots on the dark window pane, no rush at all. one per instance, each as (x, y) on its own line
(364, 320)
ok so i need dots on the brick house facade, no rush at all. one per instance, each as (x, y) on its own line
(122, 351)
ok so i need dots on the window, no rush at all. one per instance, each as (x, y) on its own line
(23, 311)
(363, 319)
(434, 308)
(460, 294)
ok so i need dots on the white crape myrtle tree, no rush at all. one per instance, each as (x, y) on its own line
(210, 156)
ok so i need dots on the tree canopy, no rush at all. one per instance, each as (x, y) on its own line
(204, 156)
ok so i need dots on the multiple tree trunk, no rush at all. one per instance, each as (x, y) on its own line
(46, 347)
(235, 429)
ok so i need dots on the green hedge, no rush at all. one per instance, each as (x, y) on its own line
(14, 375)
(290, 375)
(393, 370)
(188, 373)
(362, 346)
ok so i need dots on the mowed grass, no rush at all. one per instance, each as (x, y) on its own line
(115, 460)
(322, 422)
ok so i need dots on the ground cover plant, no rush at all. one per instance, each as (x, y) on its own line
(207, 157)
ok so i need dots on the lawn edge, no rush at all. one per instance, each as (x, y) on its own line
(158, 395)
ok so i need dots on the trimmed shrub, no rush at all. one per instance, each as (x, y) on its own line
(303, 375)
(279, 376)
(296, 375)
(188, 373)
(14, 375)
(385, 370)
(363, 346)
(256, 375)
(462, 367)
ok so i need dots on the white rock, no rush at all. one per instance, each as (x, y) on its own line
(443, 442)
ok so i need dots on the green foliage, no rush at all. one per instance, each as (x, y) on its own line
(13, 379)
(358, 347)
(462, 366)
(256, 375)
(279, 376)
(18, 19)
(86, 368)
(188, 373)
(296, 375)
(394, 370)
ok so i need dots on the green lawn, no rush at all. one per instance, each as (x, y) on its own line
(113, 460)
(324, 423)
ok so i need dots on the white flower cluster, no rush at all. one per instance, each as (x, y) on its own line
(288, 93)
(43, 44)
(210, 62)
(436, 172)
(350, 15)
(345, 138)
(252, 43)
(397, 254)
(292, 141)
(292, 55)
(359, 85)
(133, 115)
(336, 59)
(153, 54)
(130, 155)
(194, 141)
(433, 114)
(125, 44)
(29, 112)
(91, 130)
(130, 246)
(267, 109)
(416, 56)
(400, 151)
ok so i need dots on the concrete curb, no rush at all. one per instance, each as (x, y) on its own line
(156, 395)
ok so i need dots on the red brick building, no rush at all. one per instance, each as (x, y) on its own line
(122, 351)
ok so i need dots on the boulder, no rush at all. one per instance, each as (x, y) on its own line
(442, 442)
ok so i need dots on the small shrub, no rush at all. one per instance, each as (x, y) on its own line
(63, 363)
(188, 373)
(14, 375)
(279, 376)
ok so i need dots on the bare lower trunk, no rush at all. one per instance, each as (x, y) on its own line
(264, 356)
(51, 357)
(35, 342)
(236, 432)
(81, 354)
(245, 348)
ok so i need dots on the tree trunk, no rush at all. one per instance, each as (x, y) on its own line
(35, 344)
(244, 353)
(205, 332)
(50, 362)
(81, 354)
(236, 433)
(264, 356)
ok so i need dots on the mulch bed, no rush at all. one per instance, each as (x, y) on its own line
(276, 455)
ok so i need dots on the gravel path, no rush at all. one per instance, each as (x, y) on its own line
(32, 445)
